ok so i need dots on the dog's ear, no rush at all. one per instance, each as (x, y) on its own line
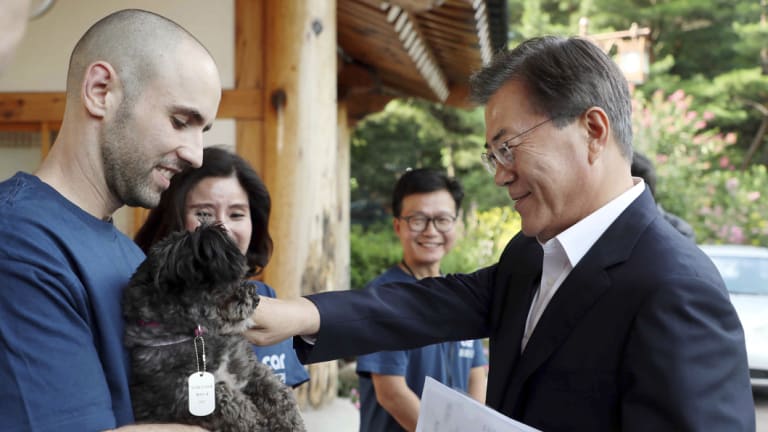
(195, 260)
(218, 254)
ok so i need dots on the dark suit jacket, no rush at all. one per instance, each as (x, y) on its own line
(641, 335)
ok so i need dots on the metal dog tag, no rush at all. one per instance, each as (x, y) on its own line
(202, 399)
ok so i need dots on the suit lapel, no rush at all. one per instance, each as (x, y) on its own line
(583, 287)
(519, 273)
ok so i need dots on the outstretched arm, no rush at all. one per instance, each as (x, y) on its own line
(275, 320)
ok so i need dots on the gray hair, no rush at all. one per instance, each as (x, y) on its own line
(563, 77)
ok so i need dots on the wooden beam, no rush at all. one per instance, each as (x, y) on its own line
(483, 34)
(242, 103)
(360, 105)
(417, 6)
(301, 168)
(45, 139)
(34, 107)
(249, 44)
(356, 79)
(31, 107)
(249, 80)
(459, 97)
(28, 127)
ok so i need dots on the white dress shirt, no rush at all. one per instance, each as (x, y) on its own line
(563, 252)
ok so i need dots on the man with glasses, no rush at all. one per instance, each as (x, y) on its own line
(601, 316)
(425, 204)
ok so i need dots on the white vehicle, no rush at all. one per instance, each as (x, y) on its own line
(745, 271)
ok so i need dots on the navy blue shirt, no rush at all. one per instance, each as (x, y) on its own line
(63, 366)
(280, 357)
(448, 362)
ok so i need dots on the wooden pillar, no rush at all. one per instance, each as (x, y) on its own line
(249, 76)
(301, 164)
(300, 141)
(342, 189)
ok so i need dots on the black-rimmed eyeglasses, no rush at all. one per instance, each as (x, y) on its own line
(504, 153)
(418, 222)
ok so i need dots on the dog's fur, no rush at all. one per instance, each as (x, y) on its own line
(190, 279)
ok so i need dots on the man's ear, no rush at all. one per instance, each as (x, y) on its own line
(598, 130)
(99, 83)
(396, 225)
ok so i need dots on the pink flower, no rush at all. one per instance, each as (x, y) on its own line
(690, 115)
(753, 196)
(730, 138)
(678, 95)
(724, 162)
(736, 235)
(701, 124)
(731, 184)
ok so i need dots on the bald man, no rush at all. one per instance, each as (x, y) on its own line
(13, 24)
(141, 91)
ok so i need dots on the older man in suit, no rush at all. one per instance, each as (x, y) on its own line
(601, 316)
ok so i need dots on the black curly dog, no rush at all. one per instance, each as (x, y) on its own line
(193, 279)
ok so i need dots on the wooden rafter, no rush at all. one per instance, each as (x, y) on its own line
(483, 34)
(25, 107)
(418, 49)
(417, 6)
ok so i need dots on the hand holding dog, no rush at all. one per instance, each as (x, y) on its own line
(275, 320)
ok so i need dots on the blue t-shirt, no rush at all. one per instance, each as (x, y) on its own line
(448, 362)
(280, 357)
(63, 366)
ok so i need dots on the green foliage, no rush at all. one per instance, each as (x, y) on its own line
(402, 136)
(415, 134)
(709, 48)
(372, 251)
(734, 209)
(697, 177)
(483, 238)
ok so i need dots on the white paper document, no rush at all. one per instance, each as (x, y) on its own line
(444, 409)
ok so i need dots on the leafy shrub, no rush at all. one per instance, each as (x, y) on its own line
(697, 177)
(484, 236)
(372, 251)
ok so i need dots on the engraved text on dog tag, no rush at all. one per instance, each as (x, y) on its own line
(202, 400)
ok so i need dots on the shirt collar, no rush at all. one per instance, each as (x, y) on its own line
(579, 238)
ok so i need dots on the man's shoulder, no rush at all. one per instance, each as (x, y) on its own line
(26, 199)
(661, 255)
(392, 274)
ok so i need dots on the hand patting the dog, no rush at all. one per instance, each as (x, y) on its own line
(202, 398)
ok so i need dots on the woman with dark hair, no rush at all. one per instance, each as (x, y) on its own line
(225, 189)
